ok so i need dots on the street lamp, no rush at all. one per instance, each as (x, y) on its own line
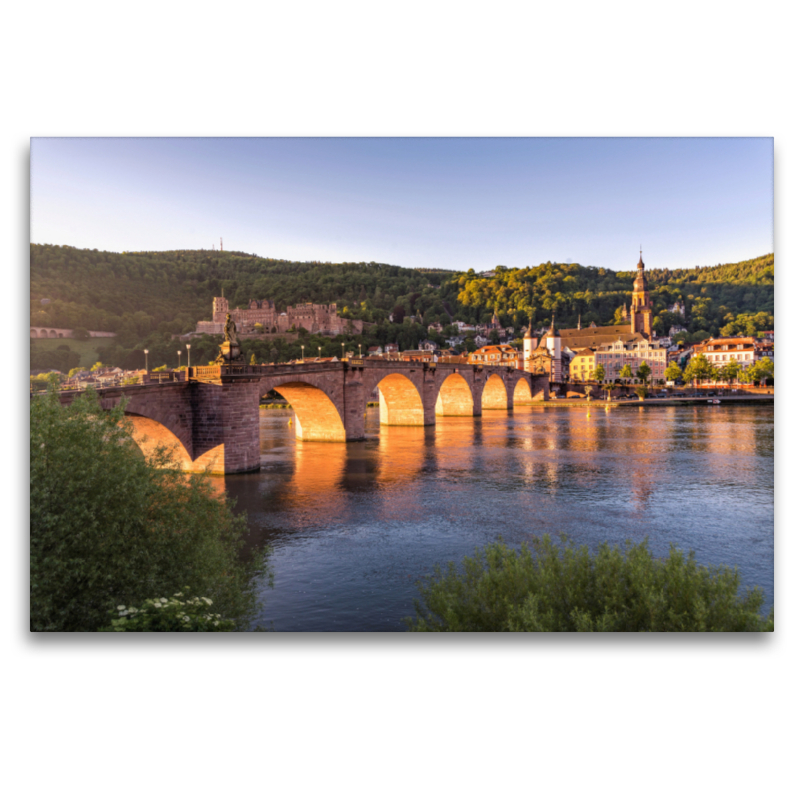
(188, 356)
(179, 359)
(303, 349)
(145, 359)
(359, 350)
(320, 351)
(342, 351)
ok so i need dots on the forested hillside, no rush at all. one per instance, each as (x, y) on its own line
(146, 297)
(713, 296)
(134, 294)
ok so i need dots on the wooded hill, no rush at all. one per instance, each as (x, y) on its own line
(145, 297)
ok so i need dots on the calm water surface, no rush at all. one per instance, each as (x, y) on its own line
(354, 526)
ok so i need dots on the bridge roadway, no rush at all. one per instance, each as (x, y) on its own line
(211, 416)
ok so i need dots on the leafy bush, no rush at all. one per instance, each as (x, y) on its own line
(169, 614)
(568, 589)
(109, 527)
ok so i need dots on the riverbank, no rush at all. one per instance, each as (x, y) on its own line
(655, 401)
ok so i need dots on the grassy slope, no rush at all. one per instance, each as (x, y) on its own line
(87, 349)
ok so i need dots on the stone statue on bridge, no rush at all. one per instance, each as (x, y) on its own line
(230, 351)
(230, 331)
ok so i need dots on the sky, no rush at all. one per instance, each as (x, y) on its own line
(451, 203)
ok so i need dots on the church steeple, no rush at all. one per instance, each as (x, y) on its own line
(641, 307)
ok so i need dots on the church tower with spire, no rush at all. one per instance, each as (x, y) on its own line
(641, 306)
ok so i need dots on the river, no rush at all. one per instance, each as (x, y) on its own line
(354, 526)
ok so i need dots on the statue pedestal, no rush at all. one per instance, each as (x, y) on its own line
(230, 353)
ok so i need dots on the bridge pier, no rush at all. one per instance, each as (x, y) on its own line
(225, 429)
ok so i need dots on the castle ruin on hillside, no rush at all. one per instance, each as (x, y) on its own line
(319, 319)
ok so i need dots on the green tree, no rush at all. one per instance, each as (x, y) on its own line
(110, 527)
(673, 371)
(552, 588)
(599, 373)
(762, 369)
(643, 372)
(730, 371)
(698, 369)
(625, 372)
(81, 334)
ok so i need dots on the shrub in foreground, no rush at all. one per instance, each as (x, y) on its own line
(552, 588)
(176, 613)
(109, 527)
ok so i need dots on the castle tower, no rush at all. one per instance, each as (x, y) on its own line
(220, 309)
(641, 306)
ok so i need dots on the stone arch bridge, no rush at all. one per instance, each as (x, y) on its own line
(211, 416)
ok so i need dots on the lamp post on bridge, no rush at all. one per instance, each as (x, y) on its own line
(342, 351)
(303, 350)
(188, 357)
(359, 349)
(320, 352)
(145, 360)
(179, 359)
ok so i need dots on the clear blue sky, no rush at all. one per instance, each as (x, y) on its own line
(444, 203)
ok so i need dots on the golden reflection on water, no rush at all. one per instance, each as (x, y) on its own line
(549, 449)
(400, 453)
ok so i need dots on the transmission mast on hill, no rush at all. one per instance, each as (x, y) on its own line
(220, 243)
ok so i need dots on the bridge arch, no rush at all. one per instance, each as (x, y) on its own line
(522, 391)
(494, 394)
(34, 333)
(316, 416)
(400, 401)
(150, 435)
(455, 397)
